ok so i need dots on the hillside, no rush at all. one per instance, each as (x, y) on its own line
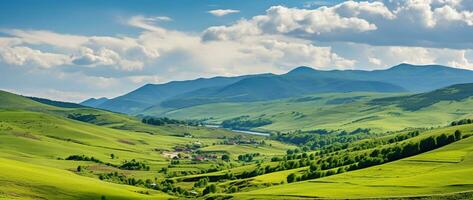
(102, 153)
(440, 172)
(418, 101)
(348, 111)
(46, 154)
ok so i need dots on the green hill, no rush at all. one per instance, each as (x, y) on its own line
(418, 101)
(446, 171)
(348, 111)
(37, 140)
(75, 152)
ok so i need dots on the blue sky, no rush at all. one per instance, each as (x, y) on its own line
(73, 50)
(103, 17)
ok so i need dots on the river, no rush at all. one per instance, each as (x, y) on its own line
(239, 131)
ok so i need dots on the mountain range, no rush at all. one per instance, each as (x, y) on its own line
(403, 78)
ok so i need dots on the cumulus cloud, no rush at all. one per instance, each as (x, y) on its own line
(348, 35)
(24, 55)
(290, 21)
(398, 23)
(222, 12)
(122, 53)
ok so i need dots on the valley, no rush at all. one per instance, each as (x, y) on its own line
(236, 100)
(330, 145)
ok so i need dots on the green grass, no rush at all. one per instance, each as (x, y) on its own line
(445, 170)
(276, 148)
(35, 138)
(323, 112)
(21, 180)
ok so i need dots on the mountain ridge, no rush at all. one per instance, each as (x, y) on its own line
(298, 81)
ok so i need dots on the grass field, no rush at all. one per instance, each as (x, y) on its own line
(36, 138)
(21, 180)
(445, 170)
(346, 111)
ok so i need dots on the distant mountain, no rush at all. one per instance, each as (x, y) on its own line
(152, 94)
(93, 102)
(414, 78)
(276, 87)
(300, 81)
(418, 101)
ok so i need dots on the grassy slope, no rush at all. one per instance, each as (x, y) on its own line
(446, 170)
(290, 114)
(33, 136)
(21, 180)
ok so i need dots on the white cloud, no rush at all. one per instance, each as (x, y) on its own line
(222, 12)
(122, 53)
(24, 55)
(42, 37)
(398, 23)
(283, 20)
(349, 35)
(374, 61)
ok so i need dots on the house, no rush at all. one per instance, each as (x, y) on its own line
(199, 158)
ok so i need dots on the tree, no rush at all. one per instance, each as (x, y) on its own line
(291, 178)
(79, 168)
(410, 149)
(112, 156)
(427, 144)
(442, 140)
(314, 167)
(225, 157)
(210, 189)
(458, 135)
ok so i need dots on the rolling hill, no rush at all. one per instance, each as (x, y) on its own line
(38, 136)
(437, 174)
(37, 140)
(348, 111)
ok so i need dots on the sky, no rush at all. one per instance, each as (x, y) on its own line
(74, 50)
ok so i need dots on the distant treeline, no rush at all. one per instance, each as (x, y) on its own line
(82, 117)
(127, 165)
(56, 103)
(245, 123)
(342, 163)
(461, 122)
(319, 138)
(161, 121)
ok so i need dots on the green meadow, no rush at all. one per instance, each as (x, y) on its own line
(446, 170)
(347, 111)
(51, 150)
(36, 139)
